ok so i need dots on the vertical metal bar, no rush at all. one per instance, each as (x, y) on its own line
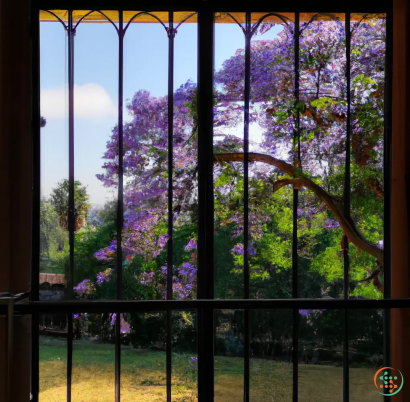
(35, 269)
(295, 356)
(35, 273)
(387, 181)
(206, 204)
(247, 89)
(246, 370)
(387, 153)
(10, 347)
(297, 161)
(386, 342)
(71, 206)
(120, 204)
(248, 35)
(169, 355)
(69, 354)
(346, 193)
(171, 36)
(118, 357)
(346, 205)
(296, 139)
(170, 152)
(35, 357)
(346, 346)
(295, 220)
(205, 155)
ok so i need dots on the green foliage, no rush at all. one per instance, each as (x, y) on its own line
(149, 330)
(52, 237)
(88, 241)
(59, 199)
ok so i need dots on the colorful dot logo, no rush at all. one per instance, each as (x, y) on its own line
(388, 380)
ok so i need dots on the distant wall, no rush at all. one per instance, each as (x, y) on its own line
(51, 294)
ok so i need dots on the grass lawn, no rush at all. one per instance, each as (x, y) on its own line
(143, 377)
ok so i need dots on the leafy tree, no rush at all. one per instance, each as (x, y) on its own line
(59, 199)
(275, 169)
(52, 236)
(319, 174)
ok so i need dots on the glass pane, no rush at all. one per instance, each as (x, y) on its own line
(145, 232)
(321, 354)
(54, 150)
(322, 111)
(93, 357)
(143, 357)
(228, 358)
(270, 133)
(365, 354)
(271, 369)
(53, 357)
(185, 160)
(95, 186)
(367, 81)
(228, 137)
(184, 356)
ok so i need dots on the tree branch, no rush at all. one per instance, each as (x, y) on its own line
(352, 232)
(255, 157)
(375, 187)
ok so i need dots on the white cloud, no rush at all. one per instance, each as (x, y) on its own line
(90, 101)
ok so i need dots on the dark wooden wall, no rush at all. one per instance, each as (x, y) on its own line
(400, 319)
(15, 183)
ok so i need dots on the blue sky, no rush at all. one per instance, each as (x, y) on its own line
(96, 87)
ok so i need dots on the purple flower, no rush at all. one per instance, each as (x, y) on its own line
(238, 249)
(107, 253)
(331, 224)
(100, 278)
(103, 276)
(84, 288)
(194, 363)
(305, 313)
(113, 318)
(146, 278)
(187, 269)
(124, 326)
(191, 245)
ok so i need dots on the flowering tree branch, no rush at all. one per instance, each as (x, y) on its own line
(352, 232)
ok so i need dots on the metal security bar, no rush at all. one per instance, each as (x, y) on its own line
(206, 304)
(346, 205)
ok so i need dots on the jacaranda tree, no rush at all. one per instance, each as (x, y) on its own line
(319, 117)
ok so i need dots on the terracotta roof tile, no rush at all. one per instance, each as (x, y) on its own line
(52, 278)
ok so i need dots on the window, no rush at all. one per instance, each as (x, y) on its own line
(242, 248)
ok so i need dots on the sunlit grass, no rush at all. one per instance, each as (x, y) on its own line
(143, 377)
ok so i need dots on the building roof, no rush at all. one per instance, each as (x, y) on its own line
(52, 279)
